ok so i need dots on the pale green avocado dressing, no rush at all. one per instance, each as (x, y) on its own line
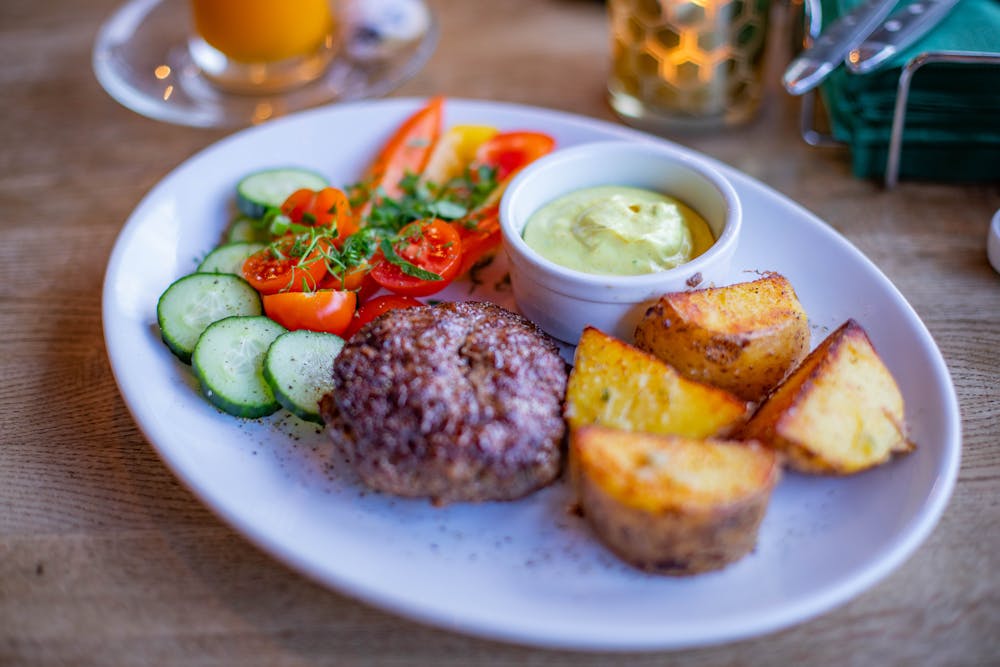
(617, 230)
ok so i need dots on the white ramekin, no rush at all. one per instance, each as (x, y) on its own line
(563, 301)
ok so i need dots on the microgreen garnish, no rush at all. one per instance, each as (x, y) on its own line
(420, 200)
(355, 252)
(386, 217)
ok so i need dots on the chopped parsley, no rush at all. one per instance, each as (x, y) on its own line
(420, 199)
(386, 217)
(406, 267)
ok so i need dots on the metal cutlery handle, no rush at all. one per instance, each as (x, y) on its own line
(903, 27)
(834, 44)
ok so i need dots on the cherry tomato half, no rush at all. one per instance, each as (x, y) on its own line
(433, 246)
(288, 271)
(508, 152)
(322, 208)
(324, 310)
(372, 309)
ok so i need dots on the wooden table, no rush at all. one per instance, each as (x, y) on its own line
(106, 559)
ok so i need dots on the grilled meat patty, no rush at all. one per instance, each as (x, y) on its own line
(456, 402)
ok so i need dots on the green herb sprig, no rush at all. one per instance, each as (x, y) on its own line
(387, 216)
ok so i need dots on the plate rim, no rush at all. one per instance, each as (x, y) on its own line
(813, 605)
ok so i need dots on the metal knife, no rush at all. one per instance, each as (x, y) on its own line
(903, 27)
(834, 44)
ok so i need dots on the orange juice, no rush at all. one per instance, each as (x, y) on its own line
(264, 31)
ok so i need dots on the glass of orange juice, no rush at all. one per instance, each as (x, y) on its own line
(262, 46)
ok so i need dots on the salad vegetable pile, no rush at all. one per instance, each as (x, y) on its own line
(305, 256)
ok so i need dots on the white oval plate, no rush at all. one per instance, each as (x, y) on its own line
(528, 571)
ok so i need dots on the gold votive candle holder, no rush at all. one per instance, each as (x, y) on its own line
(686, 64)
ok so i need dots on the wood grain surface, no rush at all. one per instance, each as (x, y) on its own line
(106, 560)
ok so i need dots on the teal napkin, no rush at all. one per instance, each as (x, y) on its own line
(952, 130)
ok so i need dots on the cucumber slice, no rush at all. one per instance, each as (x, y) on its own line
(263, 190)
(247, 229)
(299, 369)
(229, 258)
(228, 362)
(193, 302)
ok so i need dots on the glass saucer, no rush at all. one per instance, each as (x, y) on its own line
(141, 58)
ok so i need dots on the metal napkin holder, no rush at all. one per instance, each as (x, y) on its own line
(813, 24)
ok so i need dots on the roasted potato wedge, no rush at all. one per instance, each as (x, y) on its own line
(839, 412)
(743, 338)
(615, 384)
(672, 505)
